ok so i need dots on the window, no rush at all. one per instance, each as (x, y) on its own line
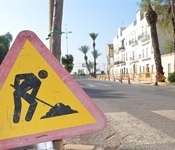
(123, 42)
(169, 68)
(143, 53)
(133, 56)
(140, 69)
(143, 69)
(135, 68)
(152, 68)
(126, 70)
(140, 55)
(147, 52)
(147, 67)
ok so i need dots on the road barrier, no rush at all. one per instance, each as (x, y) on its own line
(140, 77)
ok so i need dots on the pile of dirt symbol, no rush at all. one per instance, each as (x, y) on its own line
(58, 110)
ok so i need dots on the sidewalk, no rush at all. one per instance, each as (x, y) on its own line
(141, 82)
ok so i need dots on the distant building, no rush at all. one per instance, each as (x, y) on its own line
(109, 57)
(133, 51)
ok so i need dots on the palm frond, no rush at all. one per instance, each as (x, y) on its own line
(93, 35)
(95, 54)
(84, 49)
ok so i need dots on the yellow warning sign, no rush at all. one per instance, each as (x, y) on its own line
(35, 99)
(40, 101)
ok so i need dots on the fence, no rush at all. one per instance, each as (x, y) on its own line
(140, 77)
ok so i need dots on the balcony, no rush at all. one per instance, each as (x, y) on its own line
(121, 48)
(133, 60)
(144, 37)
(133, 42)
(119, 62)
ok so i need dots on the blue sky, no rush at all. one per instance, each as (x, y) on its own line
(80, 16)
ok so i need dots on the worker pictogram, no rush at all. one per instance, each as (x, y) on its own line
(32, 82)
(40, 101)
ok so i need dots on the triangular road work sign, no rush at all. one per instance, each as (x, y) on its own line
(40, 101)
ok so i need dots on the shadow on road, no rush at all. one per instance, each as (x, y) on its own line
(103, 94)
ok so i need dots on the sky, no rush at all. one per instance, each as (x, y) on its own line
(81, 17)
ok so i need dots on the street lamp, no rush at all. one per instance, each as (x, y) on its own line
(67, 32)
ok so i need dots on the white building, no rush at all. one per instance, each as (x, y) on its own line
(133, 52)
(109, 58)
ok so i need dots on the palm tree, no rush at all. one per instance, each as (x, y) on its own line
(94, 36)
(165, 9)
(84, 49)
(90, 65)
(95, 55)
(151, 18)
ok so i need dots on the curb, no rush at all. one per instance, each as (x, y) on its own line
(80, 147)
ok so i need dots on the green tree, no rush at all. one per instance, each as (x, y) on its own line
(162, 10)
(94, 36)
(171, 4)
(80, 72)
(67, 61)
(84, 49)
(5, 41)
(168, 47)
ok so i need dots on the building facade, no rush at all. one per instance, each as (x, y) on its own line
(109, 58)
(133, 51)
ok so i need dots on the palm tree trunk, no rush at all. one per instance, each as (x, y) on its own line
(151, 18)
(95, 64)
(85, 58)
(173, 23)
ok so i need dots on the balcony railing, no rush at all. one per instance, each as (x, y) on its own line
(144, 36)
(119, 62)
(121, 48)
(133, 42)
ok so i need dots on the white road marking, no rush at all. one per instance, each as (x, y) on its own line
(134, 131)
(91, 85)
(170, 114)
(104, 84)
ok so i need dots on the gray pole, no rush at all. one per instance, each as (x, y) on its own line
(55, 35)
(56, 11)
(51, 5)
(67, 32)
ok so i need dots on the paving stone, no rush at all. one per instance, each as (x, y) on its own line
(78, 147)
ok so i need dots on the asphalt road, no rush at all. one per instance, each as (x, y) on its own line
(142, 115)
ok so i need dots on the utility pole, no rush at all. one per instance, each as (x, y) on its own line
(67, 32)
(56, 12)
(55, 24)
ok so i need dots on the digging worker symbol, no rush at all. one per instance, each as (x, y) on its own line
(23, 84)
